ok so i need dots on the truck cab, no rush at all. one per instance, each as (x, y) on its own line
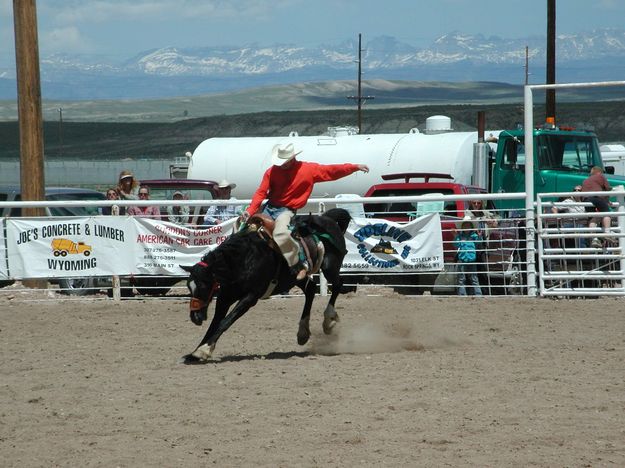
(563, 158)
(401, 211)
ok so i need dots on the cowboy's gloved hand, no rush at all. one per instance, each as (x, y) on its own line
(363, 167)
(245, 216)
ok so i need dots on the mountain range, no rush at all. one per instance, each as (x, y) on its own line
(590, 56)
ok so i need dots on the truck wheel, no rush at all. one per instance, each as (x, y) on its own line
(77, 286)
(86, 253)
(63, 253)
(57, 253)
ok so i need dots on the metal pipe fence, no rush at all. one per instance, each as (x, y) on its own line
(501, 264)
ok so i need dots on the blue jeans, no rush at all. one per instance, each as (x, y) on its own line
(274, 211)
(468, 270)
(282, 234)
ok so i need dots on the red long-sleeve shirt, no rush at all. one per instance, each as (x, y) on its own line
(291, 187)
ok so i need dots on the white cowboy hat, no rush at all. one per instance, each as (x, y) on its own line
(281, 154)
(466, 219)
(225, 184)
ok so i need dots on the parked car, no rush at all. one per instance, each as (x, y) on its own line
(11, 193)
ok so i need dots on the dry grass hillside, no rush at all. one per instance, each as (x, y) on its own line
(107, 140)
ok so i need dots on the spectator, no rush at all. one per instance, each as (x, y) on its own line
(467, 241)
(486, 220)
(144, 211)
(286, 185)
(570, 204)
(111, 194)
(127, 186)
(217, 214)
(597, 182)
(178, 214)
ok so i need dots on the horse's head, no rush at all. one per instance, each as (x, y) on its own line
(202, 287)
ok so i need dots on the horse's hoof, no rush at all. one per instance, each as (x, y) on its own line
(303, 337)
(190, 359)
(203, 353)
(330, 318)
(328, 325)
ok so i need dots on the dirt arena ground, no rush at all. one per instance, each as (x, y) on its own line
(404, 382)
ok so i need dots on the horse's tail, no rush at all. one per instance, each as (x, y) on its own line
(340, 216)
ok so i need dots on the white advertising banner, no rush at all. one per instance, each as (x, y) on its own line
(384, 246)
(104, 246)
(69, 246)
(160, 247)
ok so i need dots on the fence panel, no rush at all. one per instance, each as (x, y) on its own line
(576, 256)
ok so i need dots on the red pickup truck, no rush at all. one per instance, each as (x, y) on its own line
(503, 245)
(450, 211)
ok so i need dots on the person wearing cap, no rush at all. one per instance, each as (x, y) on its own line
(178, 214)
(127, 186)
(286, 186)
(466, 241)
(217, 214)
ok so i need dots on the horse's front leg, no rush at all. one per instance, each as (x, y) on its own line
(221, 308)
(204, 351)
(330, 317)
(303, 332)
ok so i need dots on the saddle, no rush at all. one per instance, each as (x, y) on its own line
(311, 248)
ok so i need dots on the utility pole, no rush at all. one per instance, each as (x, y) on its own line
(29, 103)
(527, 65)
(60, 131)
(360, 98)
(550, 95)
(29, 111)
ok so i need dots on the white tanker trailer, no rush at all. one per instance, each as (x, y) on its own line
(244, 160)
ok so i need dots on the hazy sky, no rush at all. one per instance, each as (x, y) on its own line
(122, 28)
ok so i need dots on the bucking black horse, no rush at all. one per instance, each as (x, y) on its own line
(247, 267)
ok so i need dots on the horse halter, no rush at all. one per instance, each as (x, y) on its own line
(196, 304)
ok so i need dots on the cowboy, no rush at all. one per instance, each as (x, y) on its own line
(217, 214)
(286, 185)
